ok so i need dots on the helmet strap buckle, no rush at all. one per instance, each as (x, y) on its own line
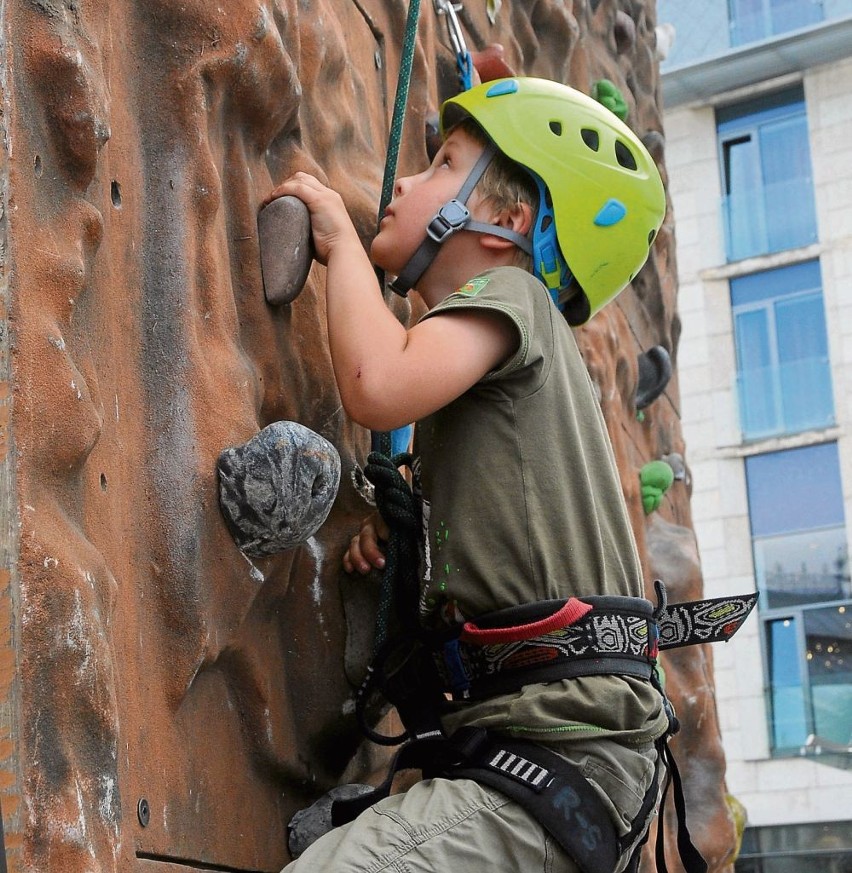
(450, 219)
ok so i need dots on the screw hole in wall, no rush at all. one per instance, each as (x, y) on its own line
(115, 190)
(103, 482)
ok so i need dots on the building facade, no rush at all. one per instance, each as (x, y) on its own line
(758, 121)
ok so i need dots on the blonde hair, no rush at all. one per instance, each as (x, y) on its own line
(504, 184)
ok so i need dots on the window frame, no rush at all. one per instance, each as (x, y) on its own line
(742, 123)
(768, 305)
(768, 615)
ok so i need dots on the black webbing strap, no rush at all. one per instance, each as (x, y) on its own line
(419, 754)
(550, 789)
(690, 857)
(444, 224)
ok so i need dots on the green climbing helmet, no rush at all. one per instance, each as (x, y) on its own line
(603, 197)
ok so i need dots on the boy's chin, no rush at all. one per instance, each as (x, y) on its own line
(384, 259)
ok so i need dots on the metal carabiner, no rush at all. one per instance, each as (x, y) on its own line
(457, 40)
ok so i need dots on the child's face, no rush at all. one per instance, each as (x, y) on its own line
(417, 198)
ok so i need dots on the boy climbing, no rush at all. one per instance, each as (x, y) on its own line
(539, 207)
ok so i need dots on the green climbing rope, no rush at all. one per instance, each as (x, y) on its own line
(382, 441)
(400, 102)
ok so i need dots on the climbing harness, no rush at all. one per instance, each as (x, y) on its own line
(464, 61)
(417, 669)
(587, 636)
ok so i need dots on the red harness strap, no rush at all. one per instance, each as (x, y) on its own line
(571, 612)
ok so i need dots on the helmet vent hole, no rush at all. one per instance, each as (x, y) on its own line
(651, 234)
(556, 127)
(546, 221)
(624, 156)
(591, 138)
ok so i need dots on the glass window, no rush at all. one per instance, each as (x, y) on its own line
(828, 638)
(783, 370)
(823, 847)
(752, 20)
(801, 563)
(768, 203)
(798, 530)
(786, 689)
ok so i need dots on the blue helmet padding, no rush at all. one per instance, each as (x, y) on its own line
(548, 263)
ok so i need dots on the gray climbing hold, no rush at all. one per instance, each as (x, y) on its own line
(286, 248)
(655, 142)
(276, 490)
(308, 825)
(655, 370)
(678, 464)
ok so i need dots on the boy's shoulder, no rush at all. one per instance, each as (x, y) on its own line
(508, 283)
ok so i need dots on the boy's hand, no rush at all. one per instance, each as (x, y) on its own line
(330, 222)
(366, 551)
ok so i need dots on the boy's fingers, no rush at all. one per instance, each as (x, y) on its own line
(297, 182)
(364, 553)
(354, 560)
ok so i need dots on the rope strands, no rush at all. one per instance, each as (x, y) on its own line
(397, 506)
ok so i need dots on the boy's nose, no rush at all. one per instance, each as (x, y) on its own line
(401, 185)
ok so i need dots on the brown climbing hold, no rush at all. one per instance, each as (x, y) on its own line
(491, 63)
(286, 249)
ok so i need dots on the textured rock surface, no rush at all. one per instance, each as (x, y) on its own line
(143, 656)
(276, 490)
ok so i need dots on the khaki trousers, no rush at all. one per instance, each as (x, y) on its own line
(458, 826)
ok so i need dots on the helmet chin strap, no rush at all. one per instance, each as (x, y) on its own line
(452, 217)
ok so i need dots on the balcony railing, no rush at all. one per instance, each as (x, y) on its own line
(769, 218)
(784, 399)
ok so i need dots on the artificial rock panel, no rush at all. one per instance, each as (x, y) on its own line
(167, 702)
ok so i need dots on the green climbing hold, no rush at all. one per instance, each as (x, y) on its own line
(610, 96)
(656, 478)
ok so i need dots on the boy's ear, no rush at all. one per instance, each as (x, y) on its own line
(517, 217)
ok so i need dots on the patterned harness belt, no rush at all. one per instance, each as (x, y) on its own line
(590, 636)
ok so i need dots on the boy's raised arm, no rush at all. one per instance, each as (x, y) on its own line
(389, 376)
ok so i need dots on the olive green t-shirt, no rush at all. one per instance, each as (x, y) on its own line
(522, 502)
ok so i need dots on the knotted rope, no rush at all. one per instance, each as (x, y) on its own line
(400, 582)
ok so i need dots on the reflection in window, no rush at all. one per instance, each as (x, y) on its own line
(797, 525)
(828, 641)
(811, 697)
(766, 175)
(822, 847)
(802, 568)
(787, 700)
(783, 372)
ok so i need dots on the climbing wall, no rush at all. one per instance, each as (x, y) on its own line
(167, 702)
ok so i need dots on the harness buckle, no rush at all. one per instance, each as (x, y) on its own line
(449, 219)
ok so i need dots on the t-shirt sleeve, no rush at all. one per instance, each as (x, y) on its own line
(511, 292)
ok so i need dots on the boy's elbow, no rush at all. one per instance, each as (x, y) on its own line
(374, 406)
(368, 408)
(371, 418)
